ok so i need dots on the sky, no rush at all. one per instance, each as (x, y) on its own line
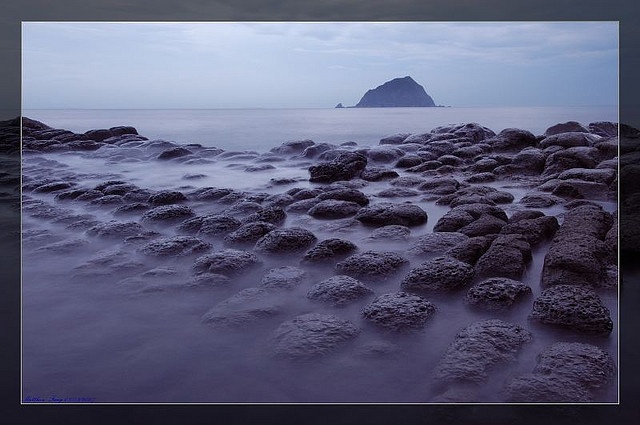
(95, 65)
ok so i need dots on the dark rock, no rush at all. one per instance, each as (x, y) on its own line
(393, 232)
(399, 92)
(300, 194)
(312, 335)
(604, 128)
(479, 348)
(511, 140)
(99, 135)
(399, 311)
(472, 131)
(166, 197)
(227, 262)
(486, 224)
(168, 214)
(534, 230)
(408, 161)
(175, 246)
(574, 307)
(397, 193)
(274, 215)
(506, 257)
(384, 155)
(293, 147)
(315, 150)
(525, 215)
(481, 178)
(578, 157)
(249, 233)
(450, 160)
(286, 241)
(345, 167)
(329, 251)
(285, 277)
(440, 186)
(351, 195)
(173, 153)
(567, 127)
(484, 165)
(217, 225)
(384, 214)
(539, 200)
(394, 139)
(115, 229)
(604, 176)
(339, 290)
(470, 250)
(107, 200)
(119, 189)
(208, 280)
(374, 174)
(439, 274)
(70, 194)
(303, 206)
(575, 259)
(53, 187)
(247, 306)
(538, 388)
(497, 293)
(408, 181)
(372, 265)
(436, 243)
(279, 200)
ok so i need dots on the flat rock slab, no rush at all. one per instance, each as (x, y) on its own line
(573, 307)
(497, 293)
(399, 311)
(312, 335)
(478, 348)
(439, 274)
(372, 265)
(339, 290)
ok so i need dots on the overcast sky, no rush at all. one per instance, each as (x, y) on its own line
(315, 65)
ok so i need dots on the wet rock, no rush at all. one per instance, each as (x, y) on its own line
(173, 153)
(470, 250)
(166, 197)
(208, 280)
(119, 189)
(569, 140)
(115, 229)
(525, 215)
(280, 200)
(604, 128)
(438, 274)
(450, 160)
(285, 241)
(399, 311)
(511, 140)
(473, 131)
(374, 174)
(534, 230)
(70, 194)
(384, 214)
(566, 127)
(479, 348)
(372, 265)
(317, 149)
(273, 214)
(227, 262)
(217, 225)
(345, 167)
(312, 335)
(539, 200)
(408, 181)
(486, 224)
(211, 193)
(440, 186)
(580, 189)
(496, 293)
(400, 192)
(484, 165)
(384, 155)
(574, 307)
(339, 290)
(393, 232)
(538, 388)
(249, 233)
(168, 214)
(428, 165)
(463, 215)
(394, 139)
(53, 187)
(577, 157)
(292, 147)
(107, 200)
(481, 178)
(329, 251)
(351, 195)
(285, 277)
(303, 206)
(300, 194)
(507, 256)
(409, 161)
(436, 243)
(175, 246)
(247, 306)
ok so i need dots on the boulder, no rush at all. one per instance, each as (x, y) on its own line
(246, 307)
(345, 167)
(351, 195)
(286, 241)
(329, 251)
(339, 290)
(511, 140)
(566, 127)
(497, 293)
(534, 230)
(293, 147)
(507, 257)
(227, 262)
(435, 243)
(285, 277)
(470, 250)
(399, 311)
(393, 232)
(175, 246)
(115, 229)
(372, 265)
(438, 274)
(273, 214)
(249, 234)
(384, 214)
(168, 214)
(374, 174)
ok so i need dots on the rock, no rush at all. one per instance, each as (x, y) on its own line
(115, 229)
(407, 181)
(247, 306)
(249, 233)
(409, 161)
(399, 311)
(567, 127)
(580, 189)
(218, 224)
(479, 348)
(506, 257)
(472, 131)
(53, 187)
(440, 186)
(603, 176)
(539, 200)
(496, 293)
(577, 157)
(486, 224)
(345, 167)
(484, 165)
(450, 160)
(470, 250)
(525, 215)
(317, 149)
(107, 200)
(338, 290)
(64, 247)
(534, 230)
(285, 277)
(311, 335)
(211, 193)
(573, 307)
(273, 214)
(293, 147)
(99, 135)
(384, 214)
(208, 280)
(302, 206)
(481, 178)
(394, 139)
(374, 174)
(397, 193)
(351, 195)
(372, 265)
(393, 232)
(227, 262)
(436, 243)
(537, 388)
(166, 197)
(280, 200)
(175, 246)
(286, 241)
(511, 140)
(384, 155)
(439, 274)
(173, 153)
(463, 215)
(604, 128)
(258, 168)
(399, 92)
(168, 214)
(329, 251)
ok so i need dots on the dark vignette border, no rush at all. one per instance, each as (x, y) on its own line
(15, 11)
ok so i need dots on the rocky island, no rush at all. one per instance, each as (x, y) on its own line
(399, 92)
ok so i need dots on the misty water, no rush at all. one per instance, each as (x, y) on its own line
(88, 333)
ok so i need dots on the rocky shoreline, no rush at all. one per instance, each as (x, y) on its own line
(345, 229)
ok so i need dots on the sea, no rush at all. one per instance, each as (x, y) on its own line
(262, 129)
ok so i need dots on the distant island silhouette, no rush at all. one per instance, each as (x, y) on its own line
(399, 92)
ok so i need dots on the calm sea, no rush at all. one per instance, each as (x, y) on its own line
(261, 129)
